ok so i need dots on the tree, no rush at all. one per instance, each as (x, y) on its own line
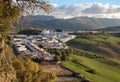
(57, 58)
(31, 66)
(27, 71)
(41, 46)
(8, 14)
(10, 10)
(52, 76)
(64, 57)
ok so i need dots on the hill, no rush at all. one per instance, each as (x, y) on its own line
(108, 46)
(96, 58)
(43, 17)
(77, 23)
(114, 28)
(93, 70)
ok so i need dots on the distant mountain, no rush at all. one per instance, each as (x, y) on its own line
(77, 23)
(114, 28)
(43, 17)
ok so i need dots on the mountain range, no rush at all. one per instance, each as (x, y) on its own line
(77, 23)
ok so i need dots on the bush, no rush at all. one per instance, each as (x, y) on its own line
(38, 60)
(57, 58)
(9, 43)
(1, 38)
(91, 71)
(84, 80)
(41, 46)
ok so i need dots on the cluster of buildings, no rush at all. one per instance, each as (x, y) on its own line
(29, 45)
(25, 48)
(56, 40)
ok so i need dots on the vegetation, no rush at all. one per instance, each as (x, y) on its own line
(92, 69)
(28, 71)
(14, 69)
(90, 57)
(8, 14)
(94, 56)
(11, 10)
(57, 58)
(85, 41)
(60, 54)
(30, 32)
(88, 39)
(107, 38)
(17, 69)
(64, 55)
(102, 44)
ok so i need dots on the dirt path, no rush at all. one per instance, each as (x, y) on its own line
(63, 75)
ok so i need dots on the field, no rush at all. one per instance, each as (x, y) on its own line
(100, 72)
(100, 44)
(106, 69)
(95, 39)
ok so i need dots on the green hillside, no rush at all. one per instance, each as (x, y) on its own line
(106, 45)
(97, 58)
(102, 72)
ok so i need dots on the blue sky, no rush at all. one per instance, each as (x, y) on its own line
(70, 2)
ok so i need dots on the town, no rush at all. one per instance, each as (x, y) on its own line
(30, 45)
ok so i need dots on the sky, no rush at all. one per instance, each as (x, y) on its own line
(71, 2)
(91, 8)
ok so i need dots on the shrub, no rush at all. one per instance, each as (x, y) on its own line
(9, 43)
(84, 80)
(91, 71)
(57, 58)
(1, 38)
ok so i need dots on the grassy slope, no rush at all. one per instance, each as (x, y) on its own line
(94, 41)
(110, 48)
(107, 38)
(104, 72)
(83, 41)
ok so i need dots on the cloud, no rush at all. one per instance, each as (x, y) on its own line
(95, 9)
